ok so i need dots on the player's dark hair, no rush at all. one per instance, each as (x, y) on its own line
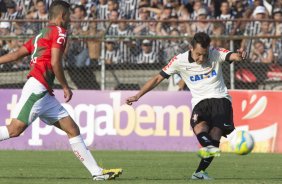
(201, 38)
(57, 7)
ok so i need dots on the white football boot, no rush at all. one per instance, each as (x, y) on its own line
(108, 174)
(202, 175)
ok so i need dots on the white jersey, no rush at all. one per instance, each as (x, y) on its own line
(204, 81)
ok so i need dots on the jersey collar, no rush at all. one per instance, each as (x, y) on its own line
(190, 59)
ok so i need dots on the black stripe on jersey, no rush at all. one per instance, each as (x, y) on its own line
(227, 58)
(164, 75)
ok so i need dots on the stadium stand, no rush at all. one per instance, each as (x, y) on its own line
(119, 44)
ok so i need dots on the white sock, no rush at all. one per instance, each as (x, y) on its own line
(4, 134)
(84, 155)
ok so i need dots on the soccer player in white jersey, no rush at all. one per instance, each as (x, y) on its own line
(37, 98)
(212, 116)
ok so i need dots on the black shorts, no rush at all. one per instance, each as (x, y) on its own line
(217, 112)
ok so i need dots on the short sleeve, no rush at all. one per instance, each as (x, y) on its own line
(172, 66)
(28, 45)
(59, 37)
(222, 54)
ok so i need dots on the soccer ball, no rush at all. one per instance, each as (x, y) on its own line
(242, 142)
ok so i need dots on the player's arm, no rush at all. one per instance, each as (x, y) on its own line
(239, 56)
(148, 86)
(13, 56)
(56, 62)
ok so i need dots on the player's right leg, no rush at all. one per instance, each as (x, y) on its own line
(25, 111)
(207, 142)
(14, 129)
(79, 148)
(55, 114)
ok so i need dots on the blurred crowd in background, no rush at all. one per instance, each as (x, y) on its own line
(151, 14)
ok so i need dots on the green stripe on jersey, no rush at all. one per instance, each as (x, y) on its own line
(24, 114)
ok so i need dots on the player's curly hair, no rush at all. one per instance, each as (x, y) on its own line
(201, 38)
(58, 6)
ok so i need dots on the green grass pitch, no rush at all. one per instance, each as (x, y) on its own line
(61, 167)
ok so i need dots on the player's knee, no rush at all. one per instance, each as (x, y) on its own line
(216, 133)
(201, 127)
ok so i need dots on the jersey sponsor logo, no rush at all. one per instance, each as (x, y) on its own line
(203, 76)
(170, 63)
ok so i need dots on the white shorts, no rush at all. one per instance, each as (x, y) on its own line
(36, 102)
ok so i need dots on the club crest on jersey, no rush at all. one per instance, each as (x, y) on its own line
(203, 76)
(195, 117)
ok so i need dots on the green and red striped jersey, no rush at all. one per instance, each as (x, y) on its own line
(40, 48)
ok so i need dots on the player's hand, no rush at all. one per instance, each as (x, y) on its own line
(67, 94)
(130, 100)
(242, 53)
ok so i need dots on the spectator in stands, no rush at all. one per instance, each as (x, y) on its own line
(2, 7)
(112, 55)
(113, 26)
(226, 14)
(4, 28)
(266, 31)
(11, 13)
(147, 55)
(277, 45)
(173, 46)
(206, 27)
(260, 54)
(277, 16)
(39, 14)
(198, 4)
(128, 8)
(79, 13)
(125, 45)
(157, 44)
(94, 46)
(164, 28)
(141, 28)
(180, 10)
(218, 30)
(102, 13)
(238, 9)
(253, 28)
(113, 5)
(25, 6)
(184, 28)
(88, 5)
